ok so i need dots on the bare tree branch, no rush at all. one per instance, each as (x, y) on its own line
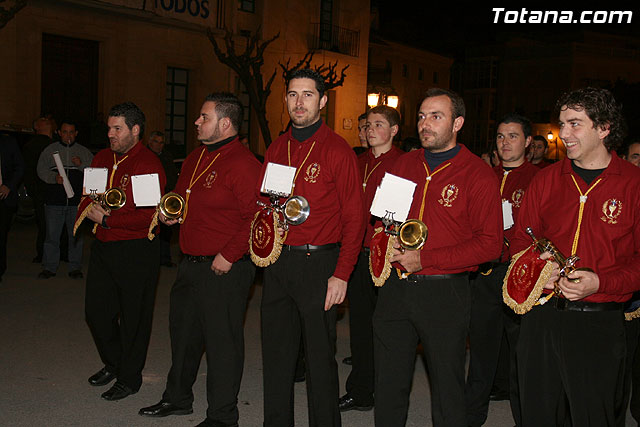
(6, 14)
(328, 72)
(248, 66)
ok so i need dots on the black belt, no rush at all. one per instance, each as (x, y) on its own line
(564, 304)
(207, 258)
(427, 277)
(310, 248)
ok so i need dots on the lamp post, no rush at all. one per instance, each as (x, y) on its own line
(383, 98)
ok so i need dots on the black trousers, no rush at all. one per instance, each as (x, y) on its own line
(121, 291)
(570, 367)
(6, 219)
(293, 297)
(490, 320)
(41, 223)
(362, 302)
(631, 390)
(207, 312)
(435, 312)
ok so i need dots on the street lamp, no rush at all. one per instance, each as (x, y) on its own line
(372, 99)
(392, 101)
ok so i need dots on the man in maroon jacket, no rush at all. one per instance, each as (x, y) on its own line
(302, 288)
(571, 350)
(124, 265)
(490, 318)
(209, 296)
(457, 198)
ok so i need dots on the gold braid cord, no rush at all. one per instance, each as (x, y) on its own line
(386, 270)
(154, 224)
(277, 243)
(82, 216)
(632, 314)
(536, 292)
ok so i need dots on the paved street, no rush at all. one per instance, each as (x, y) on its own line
(46, 355)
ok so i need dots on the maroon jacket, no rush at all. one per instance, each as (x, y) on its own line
(462, 211)
(330, 181)
(221, 203)
(128, 222)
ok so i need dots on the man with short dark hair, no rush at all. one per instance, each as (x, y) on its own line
(303, 287)
(571, 350)
(489, 316)
(209, 296)
(539, 147)
(59, 209)
(362, 134)
(124, 264)
(633, 153)
(428, 298)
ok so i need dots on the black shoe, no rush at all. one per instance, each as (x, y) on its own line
(163, 409)
(118, 391)
(46, 274)
(76, 274)
(348, 403)
(102, 377)
(347, 360)
(498, 395)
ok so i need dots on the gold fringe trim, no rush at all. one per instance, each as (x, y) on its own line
(82, 216)
(536, 292)
(632, 314)
(154, 223)
(386, 270)
(277, 244)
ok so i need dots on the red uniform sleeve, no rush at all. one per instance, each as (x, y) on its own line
(349, 189)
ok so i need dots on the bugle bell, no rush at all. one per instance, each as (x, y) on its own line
(412, 234)
(112, 199)
(172, 205)
(295, 210)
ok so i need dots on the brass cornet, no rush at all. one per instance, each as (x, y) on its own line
(112, 199)
(412, 234)
(295, 210)
(172, 206)
(567, 264)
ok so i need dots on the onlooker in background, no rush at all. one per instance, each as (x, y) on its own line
(43, 128)
(12, 168)
(539, 147)
(59, 209)
(362, 134)
(633, 153)
(410, 143)
(156, 144)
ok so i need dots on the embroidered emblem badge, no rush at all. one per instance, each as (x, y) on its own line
(449, 194)
(208, 182)
(124, 180)
(517, 196)
(312, 173)
(611, 209)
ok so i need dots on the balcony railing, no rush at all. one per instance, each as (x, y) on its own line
(335, 39)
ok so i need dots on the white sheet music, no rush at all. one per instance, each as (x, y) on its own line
(394, 195)
(65, 179)
(278, 179)
(146, 189)
(95, 180)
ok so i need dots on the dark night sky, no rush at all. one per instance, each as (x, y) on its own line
(447, 28)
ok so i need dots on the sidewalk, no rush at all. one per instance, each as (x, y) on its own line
(47, 354)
